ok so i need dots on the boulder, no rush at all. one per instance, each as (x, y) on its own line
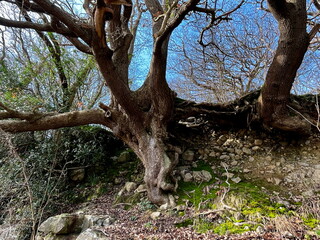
(90, 234)
(96, 221)
(62, 224)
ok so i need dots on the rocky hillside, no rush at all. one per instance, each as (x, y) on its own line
(232, 185)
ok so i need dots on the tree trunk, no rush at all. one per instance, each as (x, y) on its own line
(158, 168)
(292, 46)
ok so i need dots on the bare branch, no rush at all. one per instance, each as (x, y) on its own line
(79, 45)
(86, 7)
(314, 31)
(65, 18)
(316, 4)
(54, 121)
(172, 24)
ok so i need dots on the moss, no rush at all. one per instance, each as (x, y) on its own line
(184, 223)
(232, 228)
(311, 222)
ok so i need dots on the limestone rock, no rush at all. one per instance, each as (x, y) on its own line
(90, 234)
(187, 177)
(130, 186)
(202, 176)
(188, 155)
(96, 221)
(155, 215)
(246, 150)
(62, 224)
(236, 180)
(258, 142)
(141, 188)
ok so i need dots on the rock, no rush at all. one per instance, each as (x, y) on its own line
(124, 157)
(277, 181)
(130, 186)
(224, 157)
(234, 163)
(62, 224)
(188, 155)
(260, 229)
(212, 154)
(155, 215)
(202, 176)
(141, 188)
(187, 177)
(246, 150)
(77, 175)
(228, 174)
(258, 142)
(58, 237)
(224, 165)
(238, 151)
(251, 159)
(90, 221)
(90, 234)
(268, 158)
(316, 175)
(255, 148)
(236, 180)
(246, 170)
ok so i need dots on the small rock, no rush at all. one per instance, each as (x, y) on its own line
(238, 151)
(228, 175)
(251, 159)
(223, 164)
(277, 181)
(246, 170)
(234, 163)
(246, 151)
(212, 154)
(255, 148)
(236, 180)
(202, 176)
(141, 188)
(268, 158)
(155, 215)
(130, 186)
(164, 207)
(188, 155)
(259, 229)
(258, 142)
(224, 157)
(187, 177)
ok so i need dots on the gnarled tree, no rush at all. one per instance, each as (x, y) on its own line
(294, 40)
(141, 118)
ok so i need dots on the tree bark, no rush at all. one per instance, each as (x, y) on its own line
(292, 46)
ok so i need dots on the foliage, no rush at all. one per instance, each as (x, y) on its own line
(35, 167)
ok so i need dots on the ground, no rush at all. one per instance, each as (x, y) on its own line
(262, 187)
